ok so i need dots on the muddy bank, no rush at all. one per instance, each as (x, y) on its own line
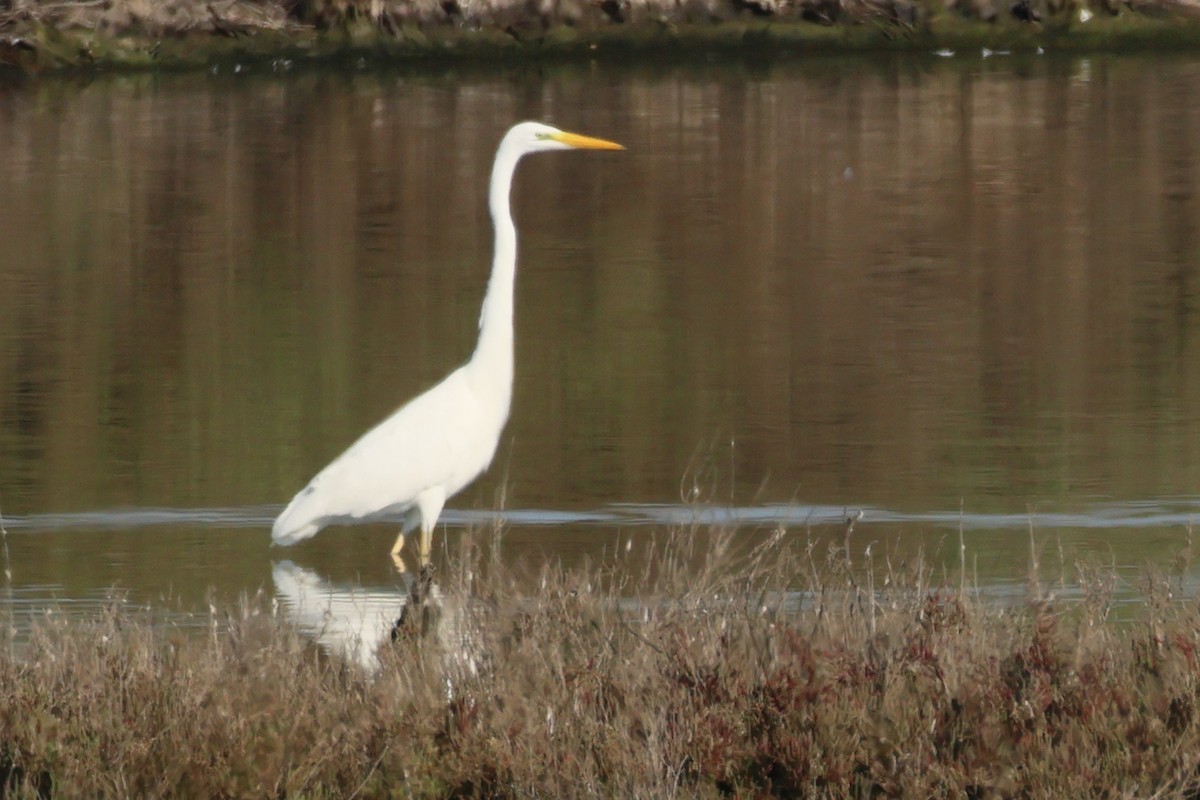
(37, 37)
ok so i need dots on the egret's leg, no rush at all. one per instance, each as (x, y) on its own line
(426, 546)
(399, 545)
(429, 503)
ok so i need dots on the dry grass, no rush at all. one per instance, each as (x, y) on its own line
(778, 672)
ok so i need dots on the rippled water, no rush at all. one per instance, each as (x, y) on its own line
(1181, 512)
(951, 294)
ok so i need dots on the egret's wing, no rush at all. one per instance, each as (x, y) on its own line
(418, 446)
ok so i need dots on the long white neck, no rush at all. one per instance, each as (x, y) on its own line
(492, 363)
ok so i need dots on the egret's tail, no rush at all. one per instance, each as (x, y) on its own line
(297, 522)
(282, 535)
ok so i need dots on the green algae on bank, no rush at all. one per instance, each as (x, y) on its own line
(34, 42)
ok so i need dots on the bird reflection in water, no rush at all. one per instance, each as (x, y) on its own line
(352, 622)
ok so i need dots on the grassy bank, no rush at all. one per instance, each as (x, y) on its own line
(722, 681)
(38, 36)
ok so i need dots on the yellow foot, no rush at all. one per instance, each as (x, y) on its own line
(399, 545)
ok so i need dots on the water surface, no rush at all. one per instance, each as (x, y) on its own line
(952, 293)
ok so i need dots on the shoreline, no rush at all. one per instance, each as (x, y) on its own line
(33, 44)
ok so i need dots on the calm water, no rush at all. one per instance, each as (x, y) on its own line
(943, 291)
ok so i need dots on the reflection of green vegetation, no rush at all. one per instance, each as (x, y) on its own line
(747, 675)
(218, 284)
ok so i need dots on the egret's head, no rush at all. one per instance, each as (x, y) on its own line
(534, 137)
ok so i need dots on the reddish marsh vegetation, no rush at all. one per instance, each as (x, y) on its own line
(768, 673)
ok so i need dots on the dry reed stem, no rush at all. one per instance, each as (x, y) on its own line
(742, 665)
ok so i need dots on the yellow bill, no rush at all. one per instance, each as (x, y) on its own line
(585, 142)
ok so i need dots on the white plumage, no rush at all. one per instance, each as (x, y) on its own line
(443, 439)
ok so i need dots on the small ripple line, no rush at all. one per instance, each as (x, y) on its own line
(1167, 512)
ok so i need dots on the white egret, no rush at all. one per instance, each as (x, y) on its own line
(443, 439)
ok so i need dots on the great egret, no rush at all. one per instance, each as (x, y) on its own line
(441, 440)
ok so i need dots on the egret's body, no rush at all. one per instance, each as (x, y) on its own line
(443, 439)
